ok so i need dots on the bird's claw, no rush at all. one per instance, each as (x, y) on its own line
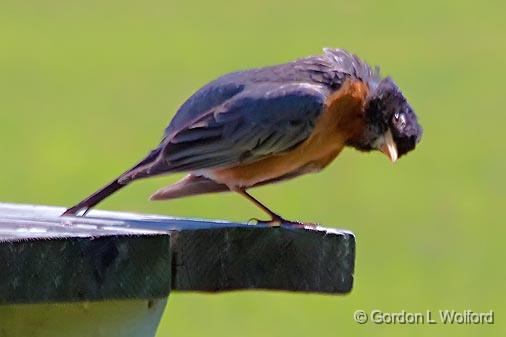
(270, 223)
(278, 222)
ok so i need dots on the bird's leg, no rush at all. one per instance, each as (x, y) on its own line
(276, 219)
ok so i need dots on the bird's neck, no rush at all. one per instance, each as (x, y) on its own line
(346, 109)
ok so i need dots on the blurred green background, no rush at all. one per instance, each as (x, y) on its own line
(86, 88)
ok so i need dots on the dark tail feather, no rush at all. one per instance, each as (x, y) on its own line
(92, 200)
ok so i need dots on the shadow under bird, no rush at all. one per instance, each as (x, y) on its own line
(266, 125)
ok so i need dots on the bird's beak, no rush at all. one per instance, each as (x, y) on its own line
(389, 148)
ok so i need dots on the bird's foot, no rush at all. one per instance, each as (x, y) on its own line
(270, 223)
(279, 221)
(299, 224)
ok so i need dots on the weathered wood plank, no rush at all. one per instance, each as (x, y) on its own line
(263, 258)
(111, 255)
(85, 268)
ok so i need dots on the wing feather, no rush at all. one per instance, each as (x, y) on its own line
(262, 120)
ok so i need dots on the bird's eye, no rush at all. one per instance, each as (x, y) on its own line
(399, 121)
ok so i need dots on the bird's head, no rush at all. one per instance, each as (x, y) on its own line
(390, 123)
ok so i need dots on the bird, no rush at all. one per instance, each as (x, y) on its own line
(266, 125)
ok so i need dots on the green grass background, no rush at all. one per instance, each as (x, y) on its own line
(86, 88)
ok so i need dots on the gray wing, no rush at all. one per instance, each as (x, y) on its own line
(265, 119)
(261, 120)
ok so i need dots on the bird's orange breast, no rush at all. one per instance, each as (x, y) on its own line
(341, 120)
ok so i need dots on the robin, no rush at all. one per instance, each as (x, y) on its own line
(266, 125)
